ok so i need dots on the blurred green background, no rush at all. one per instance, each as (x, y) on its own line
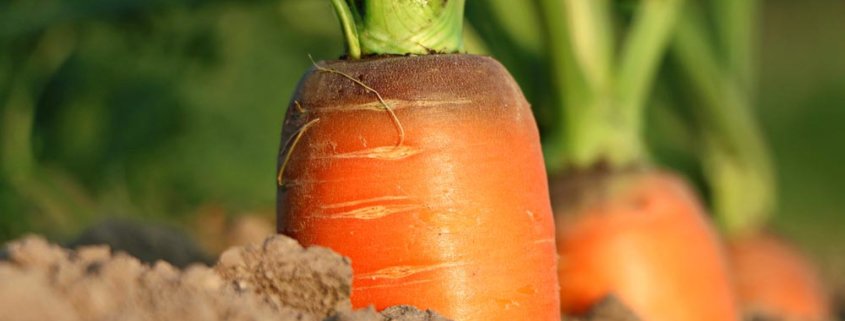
(164, 111)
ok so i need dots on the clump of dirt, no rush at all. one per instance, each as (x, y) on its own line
(278, 280)
(608, 309)
(409, 313)
(41, 281)
(281, 271)
(395, 313)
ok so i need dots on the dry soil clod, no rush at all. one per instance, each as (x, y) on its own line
(284, 273)
(608, 309)
(278, 280)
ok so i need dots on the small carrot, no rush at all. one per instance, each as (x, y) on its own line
(775, 280)
(643, 237)
(624, 227)
(426, 171)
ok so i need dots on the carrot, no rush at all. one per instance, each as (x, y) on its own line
(775, 280)
(426, 171)
(772, 278)
(643, 237)
(624, 228)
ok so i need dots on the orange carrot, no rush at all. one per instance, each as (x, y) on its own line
(775, 280)
(643, 237)
(624, 228)
(448, 212)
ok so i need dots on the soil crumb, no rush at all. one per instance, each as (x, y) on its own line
(283, 273)
(42, 281)
(409, 313)
(277, 280)
(395, 313)
(608, 309)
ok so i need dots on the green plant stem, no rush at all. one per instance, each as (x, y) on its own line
(736, 159)
(736, 26)
(602, 92)
(565, 85)
(643, 51)
(378, 27)
(591, 31)
(350, 31)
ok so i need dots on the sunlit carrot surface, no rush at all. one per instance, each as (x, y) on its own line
(775, 280)
(643, 237)
(456, 218)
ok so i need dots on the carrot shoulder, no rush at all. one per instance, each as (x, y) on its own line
(446, 208)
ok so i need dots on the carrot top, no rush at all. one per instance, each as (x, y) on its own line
(379, 27)
(735, 158)
(602, 79)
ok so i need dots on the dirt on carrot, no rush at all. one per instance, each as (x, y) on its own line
(608, 309)
(394, 313)
(277, 280)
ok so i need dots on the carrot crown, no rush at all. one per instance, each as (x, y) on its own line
(378, 27)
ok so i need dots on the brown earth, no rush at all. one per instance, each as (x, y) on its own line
(277, 280)
(608, 309)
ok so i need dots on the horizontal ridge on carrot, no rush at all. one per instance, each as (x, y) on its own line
(427, 172)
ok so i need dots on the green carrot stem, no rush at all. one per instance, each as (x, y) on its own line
(641, 56)
(377, 27)
(565, 81)
(736, 160)
(603, 92)
(736, 27)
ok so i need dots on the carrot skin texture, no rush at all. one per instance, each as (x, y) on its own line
(643, 237)
(457, 219)
(775, 280)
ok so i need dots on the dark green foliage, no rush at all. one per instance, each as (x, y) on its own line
(146, 108)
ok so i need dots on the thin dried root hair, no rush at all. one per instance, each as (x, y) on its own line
(369, 89)
(289, 146)
(298, 107)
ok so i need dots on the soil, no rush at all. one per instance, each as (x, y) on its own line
(284, 274)
(276, 280)
(396, 313)
(608, 309)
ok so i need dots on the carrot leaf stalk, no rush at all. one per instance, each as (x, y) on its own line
(736, 159)
(605, 88)
(389, 27)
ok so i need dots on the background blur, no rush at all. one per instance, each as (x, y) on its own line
(169, 111)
